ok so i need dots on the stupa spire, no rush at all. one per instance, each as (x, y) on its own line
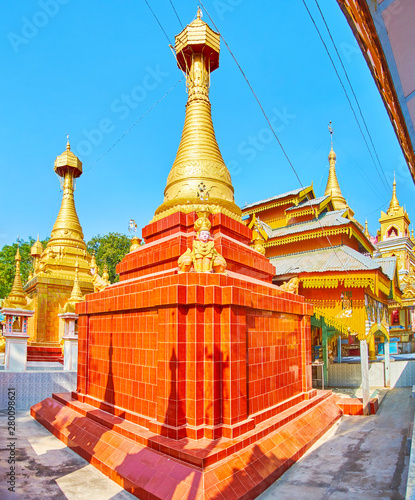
(67, 230)
(366, 233)
(333, 187)
(199, 176)
(394, 203)
(17, 297)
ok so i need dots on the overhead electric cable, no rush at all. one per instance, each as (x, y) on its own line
(134, 124)
(352, 89)
(177, 15)
(158, 22)
(347, 96)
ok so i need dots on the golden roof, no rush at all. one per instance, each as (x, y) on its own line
(67, 160)
(199, 178)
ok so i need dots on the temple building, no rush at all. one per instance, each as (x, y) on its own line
(54, 268)
(395, 240)
(318, 247)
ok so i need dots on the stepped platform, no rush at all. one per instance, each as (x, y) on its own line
(152, 466)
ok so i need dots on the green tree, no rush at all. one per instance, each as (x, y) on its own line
(109, 249)
(8, 264)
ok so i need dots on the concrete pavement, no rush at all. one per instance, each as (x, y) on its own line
(360, 457)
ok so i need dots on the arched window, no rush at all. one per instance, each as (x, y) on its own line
(393, 232)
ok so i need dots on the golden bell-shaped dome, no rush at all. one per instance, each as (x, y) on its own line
(199, 176)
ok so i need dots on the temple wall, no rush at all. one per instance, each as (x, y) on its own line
(49, 294)
(274, 359)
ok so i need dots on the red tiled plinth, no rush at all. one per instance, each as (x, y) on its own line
(157, 467)
(212, 371)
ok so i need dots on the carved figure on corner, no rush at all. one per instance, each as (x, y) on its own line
(203, 256)
(291, 285)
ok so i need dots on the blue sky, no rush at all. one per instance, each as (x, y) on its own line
(92, 69)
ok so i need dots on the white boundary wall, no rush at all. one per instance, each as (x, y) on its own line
(402, 374)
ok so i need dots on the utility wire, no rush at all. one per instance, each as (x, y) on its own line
(177, 15)
(134, 124)
(352, 89)
(347, 96)
(158, 22)
(273, 132)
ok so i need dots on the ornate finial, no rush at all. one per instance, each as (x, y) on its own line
(93, 264)
(333, 187)
(105, 274)
(331, 134)
(199, 13)
(76, 294)
(68, 146)
(412, 236)
(198, 159)
(366, 233)
(394, 203)
(132, 226)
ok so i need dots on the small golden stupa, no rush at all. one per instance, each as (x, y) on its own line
(64, 261)
(199, 176)
(17, 298)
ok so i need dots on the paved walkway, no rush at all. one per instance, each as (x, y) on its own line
(358, 458)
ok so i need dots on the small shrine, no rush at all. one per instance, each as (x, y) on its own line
(53, 276)
(194, 374)
(16, 309)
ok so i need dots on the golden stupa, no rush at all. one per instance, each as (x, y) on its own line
(333, 187)
(199, 176)
(17, 298)
(64, 261)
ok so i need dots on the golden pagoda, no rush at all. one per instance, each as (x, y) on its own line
(199, 176)
(333, 187)
(56, 267)
(17, 298)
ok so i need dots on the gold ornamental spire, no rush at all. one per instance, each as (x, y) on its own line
(17, 297)
(394, 204)
(199, 176)
(366, 233)
(67, 230)
(76, 294)
(333, 187)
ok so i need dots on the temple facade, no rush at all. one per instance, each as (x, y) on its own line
(54, 268)
(394, 239)
(318, 247)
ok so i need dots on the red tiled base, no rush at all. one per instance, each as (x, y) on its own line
(156, 467)
(354, 406)
(44, 354)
